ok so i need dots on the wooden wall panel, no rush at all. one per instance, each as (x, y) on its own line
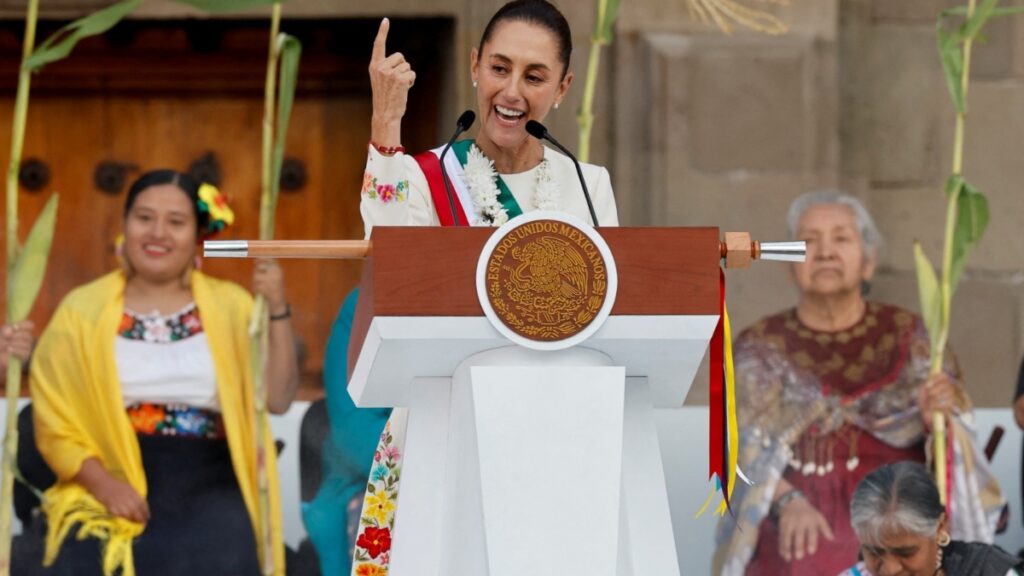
(113, 110)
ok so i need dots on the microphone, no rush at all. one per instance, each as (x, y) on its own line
(461, 125)
(538, 131)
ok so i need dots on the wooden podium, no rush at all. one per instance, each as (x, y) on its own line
(526, 462)
(519, 461)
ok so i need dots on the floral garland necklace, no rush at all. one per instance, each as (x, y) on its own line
(481, 179)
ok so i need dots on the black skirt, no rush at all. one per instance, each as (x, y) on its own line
(198, 521)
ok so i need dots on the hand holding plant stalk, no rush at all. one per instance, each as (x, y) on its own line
(26, 266)
(967, 212)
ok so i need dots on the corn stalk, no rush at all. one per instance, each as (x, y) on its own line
(607, 12)
(26, 267)
(285, 50)
(967, 212)
(260, 315)
(14, 363)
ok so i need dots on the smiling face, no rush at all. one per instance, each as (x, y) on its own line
(836, 260)
(160, 233)
(902, 555)
(519, 78)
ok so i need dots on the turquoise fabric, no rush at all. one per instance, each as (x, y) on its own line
(347, 452)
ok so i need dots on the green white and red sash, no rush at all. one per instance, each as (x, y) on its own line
(454, 164)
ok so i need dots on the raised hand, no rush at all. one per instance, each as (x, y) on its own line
(391, 77)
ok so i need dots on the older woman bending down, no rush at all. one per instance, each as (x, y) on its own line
(903, 529)
(829, 391)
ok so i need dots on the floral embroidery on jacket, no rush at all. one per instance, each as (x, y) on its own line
(386, 193)
(373, 546)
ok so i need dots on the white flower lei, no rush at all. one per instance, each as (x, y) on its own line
(481, 179)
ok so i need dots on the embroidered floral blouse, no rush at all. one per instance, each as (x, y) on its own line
(165, 359)
(395, 191)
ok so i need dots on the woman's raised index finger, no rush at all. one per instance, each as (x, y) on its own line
(380, 41)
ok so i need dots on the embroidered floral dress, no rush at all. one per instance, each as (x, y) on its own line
(822, 409)
(167, 374)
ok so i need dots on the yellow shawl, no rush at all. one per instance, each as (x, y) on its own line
(79, 412)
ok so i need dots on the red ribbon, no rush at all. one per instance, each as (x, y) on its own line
(950, 438)
(716, 386)
(431, 166)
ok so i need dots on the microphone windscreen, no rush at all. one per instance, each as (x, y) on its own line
(536, 129)
(466, 120)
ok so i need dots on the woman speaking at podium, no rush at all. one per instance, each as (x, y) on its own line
(520, 72)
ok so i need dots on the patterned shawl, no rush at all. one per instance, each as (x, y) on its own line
(790, 378)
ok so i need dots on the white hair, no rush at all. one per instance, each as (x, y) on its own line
(869, 233)
(897, 498)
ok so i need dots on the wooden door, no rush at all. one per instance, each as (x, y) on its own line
(189, 95)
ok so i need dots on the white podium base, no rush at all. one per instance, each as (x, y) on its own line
(532, 463)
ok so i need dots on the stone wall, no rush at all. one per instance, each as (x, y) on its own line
(704, 129)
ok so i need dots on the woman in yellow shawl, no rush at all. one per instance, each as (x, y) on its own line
(143, 406)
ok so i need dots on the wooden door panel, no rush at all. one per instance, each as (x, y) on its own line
(112, 105)
(173, 132)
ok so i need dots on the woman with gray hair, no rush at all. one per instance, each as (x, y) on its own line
(828, 391)
(902, 528)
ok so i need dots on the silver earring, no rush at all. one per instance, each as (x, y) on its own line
(474, 83)
(943, 540)
(556, 105)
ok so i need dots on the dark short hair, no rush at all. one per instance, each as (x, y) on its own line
(187, 184)
(897, 497)
(541, 13)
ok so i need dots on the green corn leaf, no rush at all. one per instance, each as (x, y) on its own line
(971, 221)
(1007, 11)
(981, 15)
(954, 184)
(952, 65)
(289, 51)
(229, 5)
(928, 291)
(973, 215)
(60, 44)
(997, 12)
(30, 267)
(607, 12)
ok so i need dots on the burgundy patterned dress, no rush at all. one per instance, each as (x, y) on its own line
(822, 409)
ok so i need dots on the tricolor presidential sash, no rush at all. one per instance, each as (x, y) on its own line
(454, 164)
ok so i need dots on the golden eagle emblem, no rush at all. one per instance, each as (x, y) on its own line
(546, 280)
